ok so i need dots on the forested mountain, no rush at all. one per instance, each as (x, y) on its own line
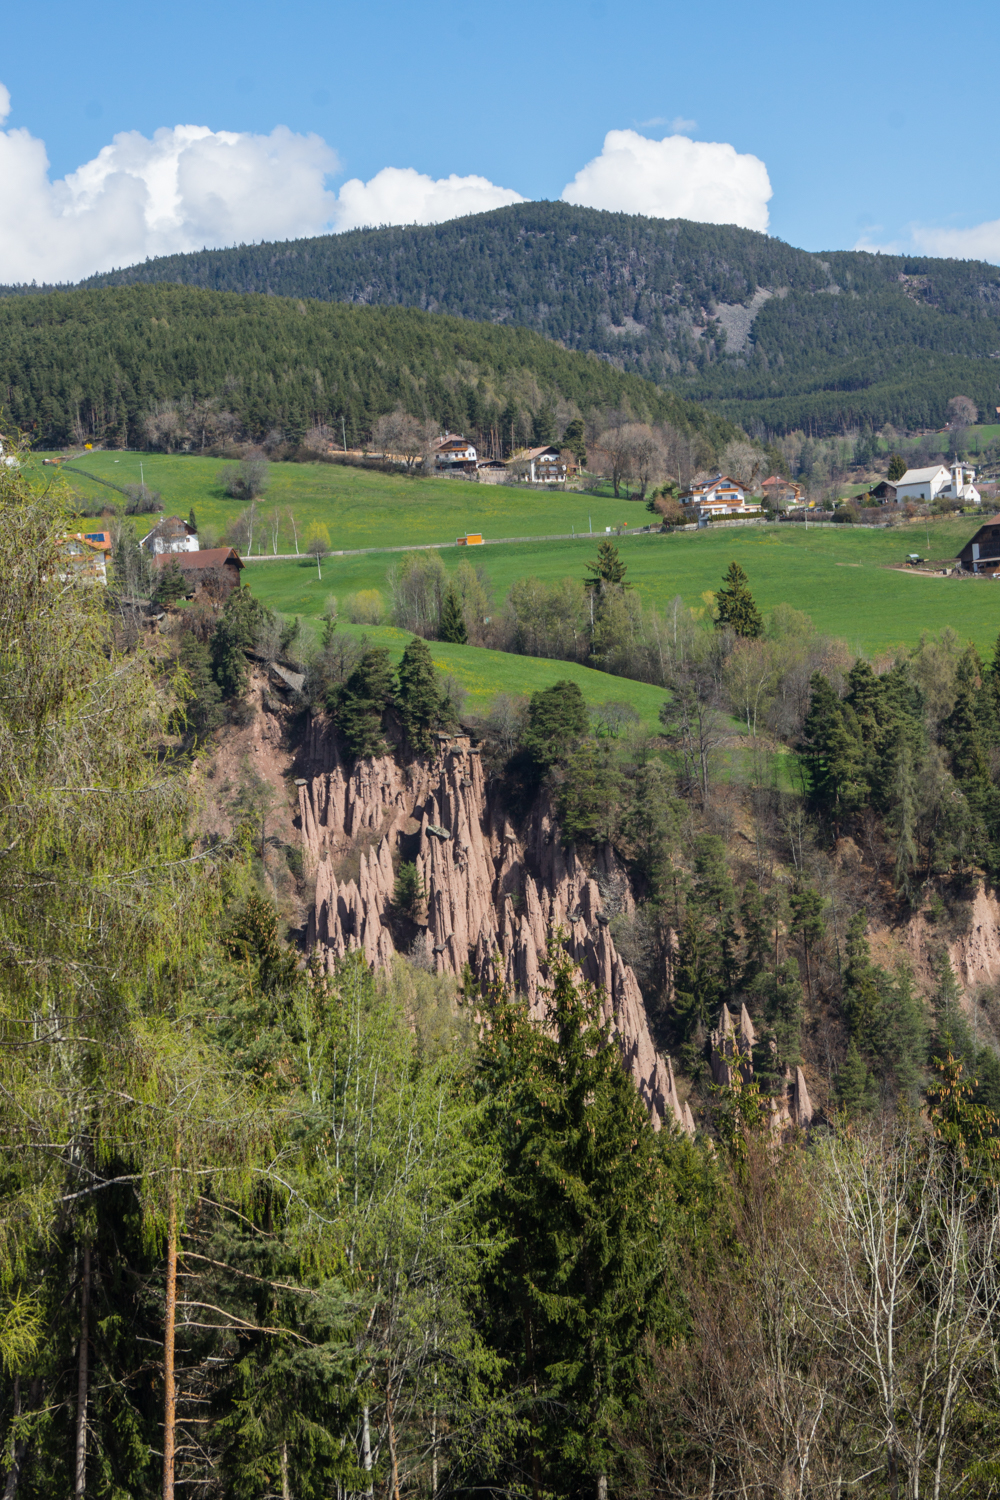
(770, 335)
(100, 364)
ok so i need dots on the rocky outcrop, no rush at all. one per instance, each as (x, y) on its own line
(732, 1045)
(495, 896)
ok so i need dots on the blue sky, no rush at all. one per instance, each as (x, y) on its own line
(868, 131)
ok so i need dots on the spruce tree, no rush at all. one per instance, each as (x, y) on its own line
(418, 696)
(171, 584)
(242, 621)
(581, 1198)
(607, 567)
(557, 719)
(452, 627)
(361, 703)
(735, 605)
(897, 467)
(831, 751)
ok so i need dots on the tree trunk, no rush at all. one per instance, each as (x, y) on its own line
(169, 1323)
(602, 1487)
(21, 1447)
(394, 1486)
(286, 1491)
(80, 1486)
(366, 1449)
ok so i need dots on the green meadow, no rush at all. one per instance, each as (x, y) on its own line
(840, 576)
(359, 508)
(485, 673)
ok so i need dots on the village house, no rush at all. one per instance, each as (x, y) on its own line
(884, 493)
(981, 553)
(779, 492)
(540, 465)
(170, 535)
(939, 482)
(720, 496)
(216, 569)
(81, 560)
(454, 454)
(99, 539)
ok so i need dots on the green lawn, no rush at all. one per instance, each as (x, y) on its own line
(359, 508)
(486, 673)
(835, 574)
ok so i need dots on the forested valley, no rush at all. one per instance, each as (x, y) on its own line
(278, 1221)
(771, 337)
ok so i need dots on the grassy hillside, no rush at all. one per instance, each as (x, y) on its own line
(483, 674)
(837, 575)
(849, 338)
(99, 364)
(359, 507)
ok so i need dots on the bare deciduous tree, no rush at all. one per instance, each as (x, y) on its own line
(239, 533)
(400, 437)
(743, 462)
(962, 412)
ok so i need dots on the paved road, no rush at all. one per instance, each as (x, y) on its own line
(493, 541)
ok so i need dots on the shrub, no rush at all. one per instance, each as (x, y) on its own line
(366, 607)
(248, 479)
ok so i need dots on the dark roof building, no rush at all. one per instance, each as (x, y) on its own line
(884, 493)
(981, 553)
(215, 568)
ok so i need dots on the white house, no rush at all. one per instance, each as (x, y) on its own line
(720, 496)
(544, 465)
(454, 452)
(939, 481)
(171, 535)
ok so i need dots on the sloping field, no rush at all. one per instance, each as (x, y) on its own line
(840, 576)
(359, 508)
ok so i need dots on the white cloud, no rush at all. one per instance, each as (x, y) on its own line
(189, 186)
(981, 242)
(400, 195)
(674, 178)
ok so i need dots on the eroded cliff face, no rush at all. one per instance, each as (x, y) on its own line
(494, 895)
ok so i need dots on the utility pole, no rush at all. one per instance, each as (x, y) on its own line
(343, 432)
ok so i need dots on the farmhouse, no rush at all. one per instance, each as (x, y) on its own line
(541, 465)
(981, 554)
(454, 454)
(216, 569)
(81, 560)
(720, 496)
(884, 493)
(779, 492)
(171, 535)
(939, 482)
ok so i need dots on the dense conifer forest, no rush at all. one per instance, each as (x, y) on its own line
(81, 365)
(847, 340)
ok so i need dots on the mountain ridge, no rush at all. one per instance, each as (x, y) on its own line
(771, 336)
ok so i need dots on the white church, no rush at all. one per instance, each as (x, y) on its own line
(939, 482)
